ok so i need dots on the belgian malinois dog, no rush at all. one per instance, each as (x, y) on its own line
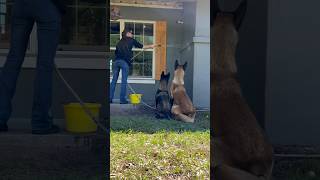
(182, 108)
(163, 99)
(241, 150)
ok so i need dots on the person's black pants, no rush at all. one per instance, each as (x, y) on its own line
(48, 19)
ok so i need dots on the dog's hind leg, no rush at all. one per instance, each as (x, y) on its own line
(185, 118)
(176, 111)
(193, 115)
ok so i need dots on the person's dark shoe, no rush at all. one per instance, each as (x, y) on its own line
(124, 102)
(3, 128)
(54, 129)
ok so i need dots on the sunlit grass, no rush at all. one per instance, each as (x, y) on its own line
(147, 148)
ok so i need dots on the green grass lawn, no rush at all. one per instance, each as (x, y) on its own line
(148, 148)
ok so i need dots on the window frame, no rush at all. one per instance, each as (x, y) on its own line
(132, 79)
(90, 59)
(96, 49)
(5, 45)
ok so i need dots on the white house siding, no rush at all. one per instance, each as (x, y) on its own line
(201, 40)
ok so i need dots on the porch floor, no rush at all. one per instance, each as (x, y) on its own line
(58, 156)
(117, 109)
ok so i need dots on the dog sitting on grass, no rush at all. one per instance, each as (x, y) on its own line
(163, 100)
(182, 108)
(241, 150)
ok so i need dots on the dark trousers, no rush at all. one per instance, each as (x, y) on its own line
(48, 19)
(117, 65)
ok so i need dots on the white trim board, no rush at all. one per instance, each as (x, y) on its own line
(66, 63)
(147, 5)
(137, 81)
(201, 39)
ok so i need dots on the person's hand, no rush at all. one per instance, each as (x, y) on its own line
(147, 46)
(151, 46)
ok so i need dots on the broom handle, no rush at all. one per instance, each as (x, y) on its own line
(142, 52)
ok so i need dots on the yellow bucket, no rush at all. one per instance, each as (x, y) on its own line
(77, 121)
(135, 98)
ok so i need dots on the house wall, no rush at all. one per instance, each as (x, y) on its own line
(174, 43)
(89, 84)
(187, 49)
(188, 42)
(92, 84)
(292, 108)
(201, 67)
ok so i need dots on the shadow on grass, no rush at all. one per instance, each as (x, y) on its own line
(149, 124)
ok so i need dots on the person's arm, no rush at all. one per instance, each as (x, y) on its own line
(151, 46)
(137, 44)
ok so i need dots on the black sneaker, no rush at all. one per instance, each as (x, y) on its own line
(124, 102)
(54, 129)
(3, 128)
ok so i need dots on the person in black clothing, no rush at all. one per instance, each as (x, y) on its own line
(47, 15)
(123, 59)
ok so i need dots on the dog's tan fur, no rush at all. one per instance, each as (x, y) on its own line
(182, 108)
(241, 150)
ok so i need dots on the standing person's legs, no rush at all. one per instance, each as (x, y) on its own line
(48, 19)
(124, 78)
(21, 28)
(115, 70)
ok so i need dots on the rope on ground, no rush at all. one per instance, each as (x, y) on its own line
(202, 110)
(144, 103)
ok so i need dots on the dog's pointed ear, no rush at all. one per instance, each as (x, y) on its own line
(185, 65)
(215, 11)
(239, 14)
(176, 64)
(162, 74)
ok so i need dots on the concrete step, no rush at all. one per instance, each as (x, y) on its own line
(23, 138)
(25, 123)
(19, 136)
(117, 109)
(61, 153)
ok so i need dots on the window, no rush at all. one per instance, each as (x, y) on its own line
(84, 26)
(115, 33)
(5, 19)
(142, 67)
